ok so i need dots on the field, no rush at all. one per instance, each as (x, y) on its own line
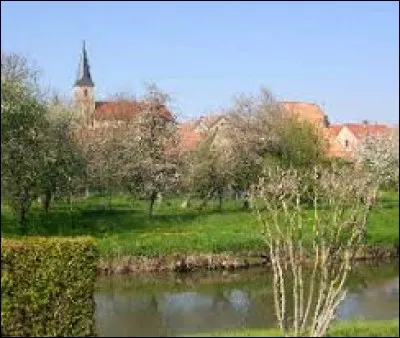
(125, 228)
(388, 328)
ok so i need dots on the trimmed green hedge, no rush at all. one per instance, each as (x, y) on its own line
(47, 287)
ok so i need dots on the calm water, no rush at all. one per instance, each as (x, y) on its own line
(173, 304)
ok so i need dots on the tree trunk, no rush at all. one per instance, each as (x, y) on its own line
(70, 201)
(187, 202)
(220, 197)
(206, 199)
(109, 200)
(47, 201)
(22, 220)
(246, 201)
(152, 200)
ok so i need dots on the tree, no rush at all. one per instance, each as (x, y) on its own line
(211, 169)
(379, 154)
(64, 163)
(19, 71)
(23, 128)
(155, 168)
(251, 135)
(299, 143)
(261, 134)
(321, 250)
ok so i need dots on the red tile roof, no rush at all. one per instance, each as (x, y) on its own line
(309, 111)
(124, 110)
(189, 138)
(361, 131)
(334, 129)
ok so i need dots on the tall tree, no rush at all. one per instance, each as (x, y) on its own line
(23, 130)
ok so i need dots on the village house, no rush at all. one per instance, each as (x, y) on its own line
(342, 139)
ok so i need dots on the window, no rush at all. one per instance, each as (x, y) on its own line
(85, 92)
(346, 143)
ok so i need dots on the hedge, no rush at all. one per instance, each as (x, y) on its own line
(47, 287)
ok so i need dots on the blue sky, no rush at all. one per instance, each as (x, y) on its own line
(342, 55)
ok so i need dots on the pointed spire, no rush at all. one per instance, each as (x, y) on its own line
(84, 78)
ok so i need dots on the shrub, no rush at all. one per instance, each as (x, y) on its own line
(47, 287)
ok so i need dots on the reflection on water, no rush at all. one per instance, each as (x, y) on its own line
(171, 305)
(376, 302)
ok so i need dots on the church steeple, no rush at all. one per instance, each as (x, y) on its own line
(84, 90)
(84, 79)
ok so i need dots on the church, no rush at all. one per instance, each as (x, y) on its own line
(103, 112)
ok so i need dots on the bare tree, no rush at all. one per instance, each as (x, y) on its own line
(311, 247)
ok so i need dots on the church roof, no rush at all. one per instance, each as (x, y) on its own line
(84, 79)
(124, 110)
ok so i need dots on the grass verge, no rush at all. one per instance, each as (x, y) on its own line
(387, 328)
(124, 228)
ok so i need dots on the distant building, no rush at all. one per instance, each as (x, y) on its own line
(342, 139)
(103, 112)
(305, 111)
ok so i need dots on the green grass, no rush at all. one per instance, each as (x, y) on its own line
(126, 229)
(389, 328)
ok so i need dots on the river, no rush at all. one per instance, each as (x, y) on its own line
(176, 304)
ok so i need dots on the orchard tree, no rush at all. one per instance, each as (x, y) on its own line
(64, 162)
(155, 168)
(19, 71)
(379, 154)
(251, 136)
(23, 130)
(211, 169)
(100, 149)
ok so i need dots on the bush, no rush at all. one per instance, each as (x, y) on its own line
(47, 287)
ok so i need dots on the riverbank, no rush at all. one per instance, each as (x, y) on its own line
(175, 238)
(387, 328)
(222, 261)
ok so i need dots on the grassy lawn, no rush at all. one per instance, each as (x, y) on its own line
(388, 328)
(126, 229)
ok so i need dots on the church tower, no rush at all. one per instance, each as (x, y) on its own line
(83, 91)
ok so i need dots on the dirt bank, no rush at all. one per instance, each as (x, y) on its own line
(228, 261)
